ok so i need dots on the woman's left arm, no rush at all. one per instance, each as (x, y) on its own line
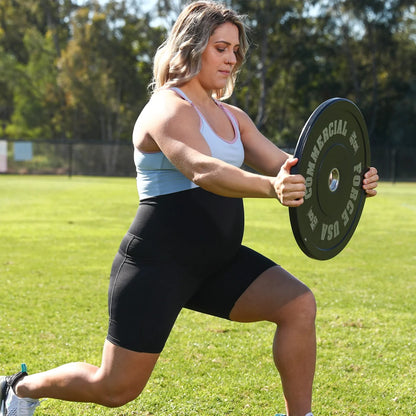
(260, 153)
(266, 158)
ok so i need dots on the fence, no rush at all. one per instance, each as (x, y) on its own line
(69, 158)
(116, 159)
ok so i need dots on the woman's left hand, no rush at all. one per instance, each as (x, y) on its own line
(370, 182)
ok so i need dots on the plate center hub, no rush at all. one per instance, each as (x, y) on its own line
(333, 180)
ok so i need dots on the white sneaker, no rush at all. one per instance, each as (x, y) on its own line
(10, 404)
(16, 406)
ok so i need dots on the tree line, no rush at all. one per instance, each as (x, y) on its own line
(72, 70)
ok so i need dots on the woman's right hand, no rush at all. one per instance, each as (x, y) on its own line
(290, 189)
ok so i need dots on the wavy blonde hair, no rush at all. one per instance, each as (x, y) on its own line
(178, 59)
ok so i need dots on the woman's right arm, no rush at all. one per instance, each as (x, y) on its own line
(174, 126)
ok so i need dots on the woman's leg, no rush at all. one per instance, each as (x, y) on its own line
(121, 378)
(278, 297)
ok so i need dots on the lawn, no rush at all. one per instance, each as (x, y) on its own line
(58, 237)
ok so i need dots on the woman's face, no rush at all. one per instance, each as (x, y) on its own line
(219, 57)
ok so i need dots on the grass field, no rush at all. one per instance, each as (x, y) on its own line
(58, 239)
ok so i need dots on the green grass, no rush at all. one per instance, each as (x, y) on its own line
(58, 237)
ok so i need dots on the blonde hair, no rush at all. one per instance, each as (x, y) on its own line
(178, 59)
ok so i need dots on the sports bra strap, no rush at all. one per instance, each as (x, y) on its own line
(185, 97)
(230, 116)
(181, 93)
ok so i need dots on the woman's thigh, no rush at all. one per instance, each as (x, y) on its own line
(270, 296)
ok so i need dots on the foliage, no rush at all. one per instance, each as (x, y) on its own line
(80, 70)
(83, 71)
(59, 237)
(306, 52)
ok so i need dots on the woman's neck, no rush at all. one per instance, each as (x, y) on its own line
(197, 94)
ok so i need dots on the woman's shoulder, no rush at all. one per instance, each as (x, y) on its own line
(165, 111)
(236, 111)
(242, 117)
(166, 104)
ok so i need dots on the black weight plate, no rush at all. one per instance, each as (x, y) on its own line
(334, 153)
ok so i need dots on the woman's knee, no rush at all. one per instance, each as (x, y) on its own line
(123, 375)
(307, 308)
(300, 310)
(116, 395)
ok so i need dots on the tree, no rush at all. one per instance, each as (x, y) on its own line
(36, 96)
(104, 72)
(31, 36)
(270, 84)
(366, 31)
(80, 71)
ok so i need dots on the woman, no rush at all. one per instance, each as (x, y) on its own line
(184, 249)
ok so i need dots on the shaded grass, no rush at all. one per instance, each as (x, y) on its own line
(58, 239)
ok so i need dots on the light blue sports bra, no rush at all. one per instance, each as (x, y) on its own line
(157, 176)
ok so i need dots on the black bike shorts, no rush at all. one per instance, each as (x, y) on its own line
(182, 250)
